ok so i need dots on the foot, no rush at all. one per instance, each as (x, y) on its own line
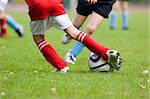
(20, 31)
(114, 58)
(65, 39)
(64, 70)
(112, 28)
(69, 58)
(125, 28)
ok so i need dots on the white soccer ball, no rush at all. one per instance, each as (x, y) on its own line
(97, 63)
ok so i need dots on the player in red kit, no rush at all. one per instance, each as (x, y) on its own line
(45, 14)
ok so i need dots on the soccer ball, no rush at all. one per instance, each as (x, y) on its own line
(97, 63)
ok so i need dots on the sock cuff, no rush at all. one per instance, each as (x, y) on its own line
(81, 37)
(113, 13)
(42, 44)
(126, 12)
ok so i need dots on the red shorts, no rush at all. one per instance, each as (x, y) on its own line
(42, 9)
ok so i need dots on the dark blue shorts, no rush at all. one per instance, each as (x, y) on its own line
(102, 7)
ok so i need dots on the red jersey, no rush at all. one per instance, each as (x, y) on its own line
(42, 9)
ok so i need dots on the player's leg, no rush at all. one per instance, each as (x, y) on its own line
(111, 56)
(17, 27)
(77, 47)
(113, 16)
(87, 41)
(90, 29)
(38, 28)
(49, 53)
(124, 6)
(99, 12)
(83, 10)
(63, 22)
(3, 25)
(78, 21)
(43, 21)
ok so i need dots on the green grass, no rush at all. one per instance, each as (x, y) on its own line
(24, 73)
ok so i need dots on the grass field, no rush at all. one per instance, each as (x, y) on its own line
(24, 73)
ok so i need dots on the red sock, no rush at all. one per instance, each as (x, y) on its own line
(3, 27)
(50, 55)
(93, 45)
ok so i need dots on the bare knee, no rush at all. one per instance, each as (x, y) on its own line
(38, 38)
(90, 30)
(124, 6)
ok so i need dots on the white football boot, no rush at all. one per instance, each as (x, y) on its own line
(64, 70)
(69, 58)
(65, 39)
(114, 59)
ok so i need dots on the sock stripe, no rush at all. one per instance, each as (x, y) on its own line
(42, 46)
(41, 43)
(80, 36)
(83, 38)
